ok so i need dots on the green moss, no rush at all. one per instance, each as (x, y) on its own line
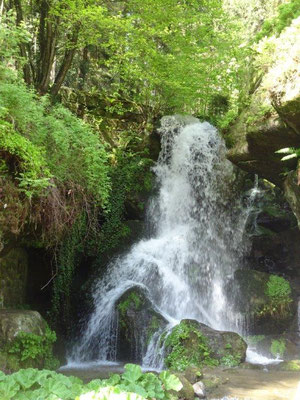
(293, 365)
(133, 300)
(188, 347)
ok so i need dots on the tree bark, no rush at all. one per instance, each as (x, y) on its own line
(66, 64)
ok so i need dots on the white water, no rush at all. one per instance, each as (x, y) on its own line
(196, 242)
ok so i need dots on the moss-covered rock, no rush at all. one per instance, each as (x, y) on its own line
(194, 344)
(266, 301)
(13, 277)
(25, 341)
(138, 322)
(292, 365)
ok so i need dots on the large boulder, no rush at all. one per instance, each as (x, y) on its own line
(13, 277)
(193, 343)
(25, 341)
(138, 322)
(266, 301)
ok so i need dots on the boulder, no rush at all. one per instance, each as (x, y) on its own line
(272, 346)
(192, 343)
(138, 321)
(14, 321)
(13, 277)
(25, 341)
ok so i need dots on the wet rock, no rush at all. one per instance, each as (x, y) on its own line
(264, 316)
(138, 321)
(13, 277)
(196, 344)
(199, 390)
(193, 374)
(272, 346)
(187, 391)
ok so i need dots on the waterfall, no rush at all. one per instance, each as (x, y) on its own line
(196, 241)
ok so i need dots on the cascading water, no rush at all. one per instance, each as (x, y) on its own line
(196, 241)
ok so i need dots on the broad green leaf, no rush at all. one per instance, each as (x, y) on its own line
(132, 372)
(170, 381)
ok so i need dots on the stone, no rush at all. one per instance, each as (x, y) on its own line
(199, 390)
(192, 343)
(193, 374)
(281, 346)
(14, 321)
(13, 277)
(187, 391)
(257, 307)
(138, 321)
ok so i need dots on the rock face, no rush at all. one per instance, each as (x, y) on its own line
(193, 343)
(272, 119)
(272, 346)
(265, 314)
(13, 278)
(138, 321)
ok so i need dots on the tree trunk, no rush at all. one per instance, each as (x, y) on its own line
(66, 64)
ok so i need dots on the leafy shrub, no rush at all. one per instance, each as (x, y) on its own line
(32, 384)
(37, 348)
(278, 347)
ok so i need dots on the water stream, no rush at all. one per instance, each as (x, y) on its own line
(195, 241)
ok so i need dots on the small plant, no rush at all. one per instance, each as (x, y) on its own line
(38, 348)
(278, 347)
(291, 152)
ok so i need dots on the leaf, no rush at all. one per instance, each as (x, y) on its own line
(286, 150)
(26, 377)
(132, 372)
(170, 381)
(289, 157)
(8, 388)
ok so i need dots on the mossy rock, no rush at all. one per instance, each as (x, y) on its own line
(13, 277)
(281, 346)
(187, 391)
(138, 321)
(266, 314)
(194, 344)
(25, 341)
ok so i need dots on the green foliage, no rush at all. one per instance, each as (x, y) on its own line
(254, 339)
(181, 356)
(278, 347)
(24, 160)
(32, 347)
(133, 298)
(32, 384)
(286, 13)
(278, 292)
